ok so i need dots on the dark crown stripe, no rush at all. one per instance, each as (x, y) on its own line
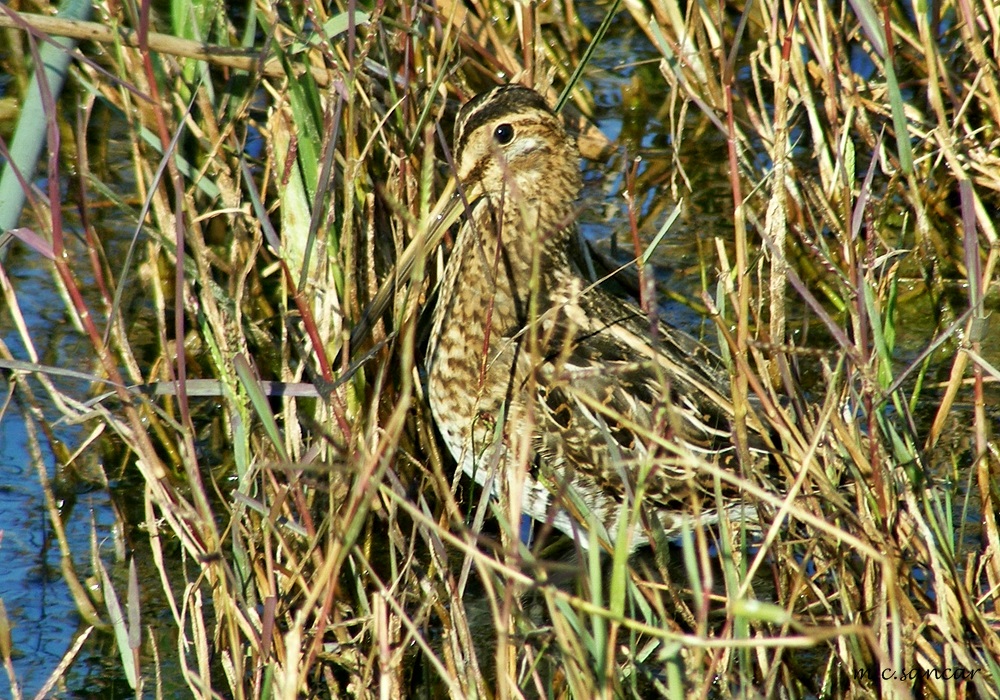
(488, 106)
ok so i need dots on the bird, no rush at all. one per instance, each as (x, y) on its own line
(528, 363)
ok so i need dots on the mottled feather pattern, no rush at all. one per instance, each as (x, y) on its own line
(610, 410)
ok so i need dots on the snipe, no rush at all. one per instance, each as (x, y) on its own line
(529, 365)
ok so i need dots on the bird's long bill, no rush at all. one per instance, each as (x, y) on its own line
(450, 206)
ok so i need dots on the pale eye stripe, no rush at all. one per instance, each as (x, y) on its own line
(524, 145)
(468, 117)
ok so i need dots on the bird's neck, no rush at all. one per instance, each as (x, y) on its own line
(504, 262)
(526, 240)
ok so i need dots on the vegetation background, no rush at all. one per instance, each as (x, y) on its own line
(250, 205)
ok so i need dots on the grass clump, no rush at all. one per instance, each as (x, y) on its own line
(278, 466)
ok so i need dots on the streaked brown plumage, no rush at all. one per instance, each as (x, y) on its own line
(523, 349)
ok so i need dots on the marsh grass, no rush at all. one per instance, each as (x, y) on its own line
(309, 536)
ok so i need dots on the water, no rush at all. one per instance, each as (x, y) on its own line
(44, 618)
(38, 602)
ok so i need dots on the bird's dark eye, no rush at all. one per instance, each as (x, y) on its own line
(504, 134)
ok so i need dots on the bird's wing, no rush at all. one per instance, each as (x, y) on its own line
(613, 404)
